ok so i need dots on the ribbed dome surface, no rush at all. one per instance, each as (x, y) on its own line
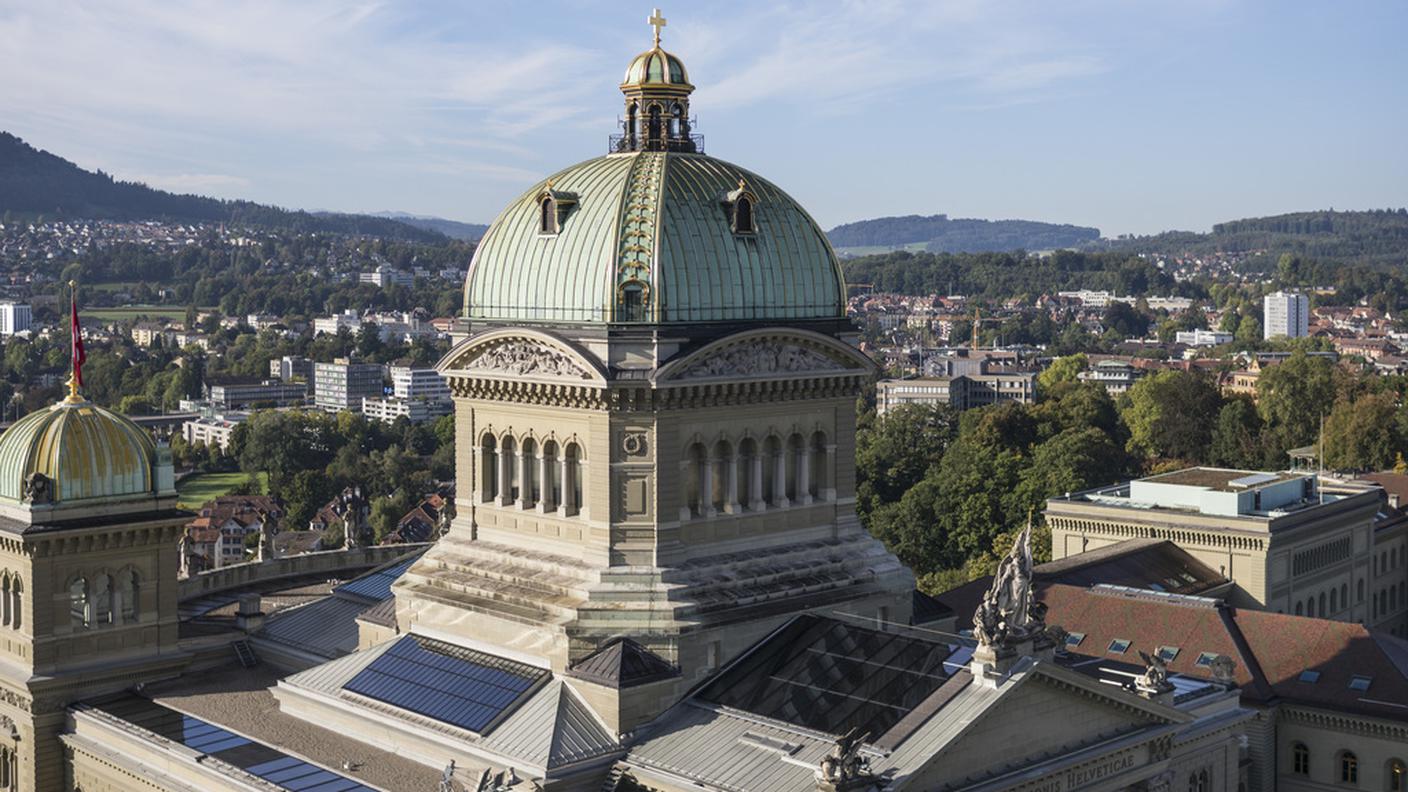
(664, 219)
(84, 450)
(656, 67)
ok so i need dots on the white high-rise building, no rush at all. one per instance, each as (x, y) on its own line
(419, 383)
(14, 318)
(1285, 314)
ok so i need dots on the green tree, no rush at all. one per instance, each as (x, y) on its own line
(1236, 437)
(894, 451)
(1363, 434)
(1062, 370)
(1291, 397)
(1248, 333)
(1168, 414)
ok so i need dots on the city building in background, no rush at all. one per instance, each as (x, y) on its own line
(15, 318)
(1285, 314)
(342, 384)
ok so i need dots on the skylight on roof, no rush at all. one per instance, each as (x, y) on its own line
(1167, 653)
(1074, 639)
(1118, 646)
(1253, 480)
(1309, 677)
(1205, 659)
(1360, 683)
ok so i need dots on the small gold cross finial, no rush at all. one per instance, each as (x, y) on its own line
(656, 21)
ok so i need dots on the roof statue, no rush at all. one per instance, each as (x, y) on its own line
(1154, 680)
(1008, 613)
(843, 768)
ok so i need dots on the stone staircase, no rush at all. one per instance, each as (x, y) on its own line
(512, 583)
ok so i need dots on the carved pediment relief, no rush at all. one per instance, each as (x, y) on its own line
(760, 357)
(518, 356)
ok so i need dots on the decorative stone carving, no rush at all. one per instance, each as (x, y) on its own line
(633, 443)
(843, 768)
(183, 555)
(1008, 613)
(38, 489)
(760, 357)
(1224, 669)
(8, 727)
(519, 357)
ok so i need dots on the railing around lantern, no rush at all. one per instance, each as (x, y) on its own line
(692, 144)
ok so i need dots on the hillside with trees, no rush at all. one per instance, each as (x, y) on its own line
(1376, 237)
(940, 234)
(35, 183)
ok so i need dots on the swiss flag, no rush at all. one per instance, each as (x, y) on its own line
(79, 358)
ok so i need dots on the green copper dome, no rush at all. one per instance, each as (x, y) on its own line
(82, 450)
(656, 66)
(654, 237)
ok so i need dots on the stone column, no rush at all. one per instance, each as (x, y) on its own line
(731, 486)
(565, 508)
(804, 475)
(524, 463)
(545, 484)
(706, 489)
(779, 478)
(755, 475)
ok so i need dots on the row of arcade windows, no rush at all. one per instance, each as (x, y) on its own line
(754, 476)
(105, 600)
(1347, 768)
(546, 476)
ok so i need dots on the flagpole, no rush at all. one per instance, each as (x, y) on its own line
(74, 343)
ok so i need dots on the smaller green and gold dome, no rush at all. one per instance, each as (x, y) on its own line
(75, 451)
(656, 67)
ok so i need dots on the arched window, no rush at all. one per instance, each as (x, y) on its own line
(654, 130)
(695, 477)
(1349, 768)
(750, 473)
(573, 471)
(17, 605)
(773, 464)
(1334, 602)
(552, 485)
(9, 768)
(508, 475)
(676, 116)
(1323, 610)
(632, 130)
(1300, 608)
(795, 448)
(102, 600)
(547, 215)
(1310, 606)
(79, 614)
(820, 476)
(488, 469)
(721, 461)
(530, 473)
(743, 215)
(1300, 759)
(130, 584)
(1396, 776)
(5, 601)
(633, 302)
(1198, 782)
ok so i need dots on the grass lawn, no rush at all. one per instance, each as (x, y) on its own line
(193, 491)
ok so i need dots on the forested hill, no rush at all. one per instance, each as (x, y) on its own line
(939, 234)
(37, 183)
(1376, 237)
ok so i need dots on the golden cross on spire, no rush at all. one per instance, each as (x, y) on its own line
(656, 21)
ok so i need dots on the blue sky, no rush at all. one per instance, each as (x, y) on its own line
(1130, 116)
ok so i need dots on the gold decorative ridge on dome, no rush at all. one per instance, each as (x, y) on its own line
(75, 450)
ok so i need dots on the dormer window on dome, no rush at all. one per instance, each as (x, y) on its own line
(741, 204)
(657, 92)
(553, 208)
